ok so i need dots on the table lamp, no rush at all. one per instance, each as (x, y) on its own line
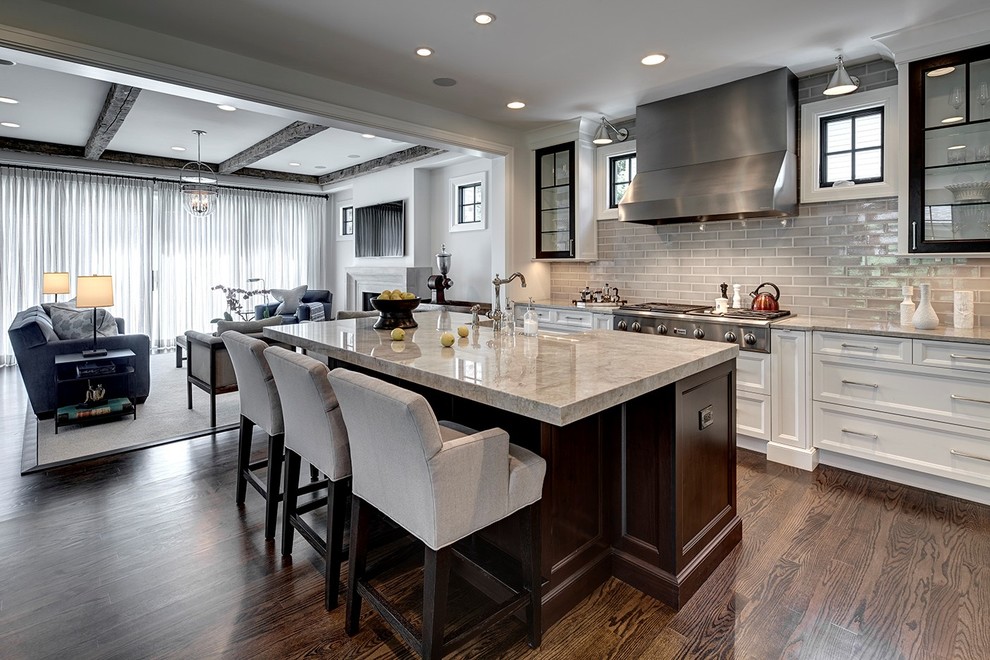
(94, 291)
(55, 283)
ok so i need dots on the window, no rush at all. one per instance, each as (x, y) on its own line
(852, 148)
(347, 221)
(621, 170)
(469, 203)
(850, 139)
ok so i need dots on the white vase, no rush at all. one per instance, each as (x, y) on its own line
(925, 317)
(907, 306)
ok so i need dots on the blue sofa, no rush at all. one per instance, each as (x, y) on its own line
(36, 345)
(323, 296)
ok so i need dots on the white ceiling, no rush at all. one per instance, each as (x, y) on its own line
(564, 58)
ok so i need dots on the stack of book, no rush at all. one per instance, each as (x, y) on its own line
(79, 411)
(87, 369)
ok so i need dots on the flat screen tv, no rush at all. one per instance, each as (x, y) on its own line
(380, 230)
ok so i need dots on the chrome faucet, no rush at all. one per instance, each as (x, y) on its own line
(496, 314)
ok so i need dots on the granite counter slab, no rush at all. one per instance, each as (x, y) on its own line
(943, 332)
(555, 378)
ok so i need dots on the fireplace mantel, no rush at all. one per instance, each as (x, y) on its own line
(361, 279)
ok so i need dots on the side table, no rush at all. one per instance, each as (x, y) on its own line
(76, 375)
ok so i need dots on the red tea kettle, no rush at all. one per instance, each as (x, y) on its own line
(765, 302)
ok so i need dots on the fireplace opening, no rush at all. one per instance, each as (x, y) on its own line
(366, 297)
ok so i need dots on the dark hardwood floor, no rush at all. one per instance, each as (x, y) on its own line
(146, 555)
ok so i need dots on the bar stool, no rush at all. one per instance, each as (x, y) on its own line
(314, 432)
(441, 484)
(260, 405)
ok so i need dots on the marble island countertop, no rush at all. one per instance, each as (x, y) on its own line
(943, 332)
(555, 378)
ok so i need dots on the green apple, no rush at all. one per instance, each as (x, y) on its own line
(398, 334)
(447, 340)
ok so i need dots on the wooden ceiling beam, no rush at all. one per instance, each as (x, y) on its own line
(120, 99)
(410, 155)
(272, 144)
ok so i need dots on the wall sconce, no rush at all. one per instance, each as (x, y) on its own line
(841, 82)
(602, 136)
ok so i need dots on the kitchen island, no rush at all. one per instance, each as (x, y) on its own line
(638, 433)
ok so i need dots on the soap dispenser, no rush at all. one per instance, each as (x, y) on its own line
(531, 321)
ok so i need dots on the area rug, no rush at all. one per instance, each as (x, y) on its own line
(161, 419)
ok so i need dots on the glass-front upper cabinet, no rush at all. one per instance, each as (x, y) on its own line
(555, 201)
(949, 119)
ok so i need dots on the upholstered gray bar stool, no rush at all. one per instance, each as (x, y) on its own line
(441, 485)
(314, 432)
(260, 405)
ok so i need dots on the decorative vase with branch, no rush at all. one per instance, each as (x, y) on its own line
(235, 302)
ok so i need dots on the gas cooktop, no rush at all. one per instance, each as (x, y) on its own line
(701, 310)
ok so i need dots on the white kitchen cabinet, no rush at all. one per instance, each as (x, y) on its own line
(603, 321)
(790, 437)
(753, 402)
(566, 319)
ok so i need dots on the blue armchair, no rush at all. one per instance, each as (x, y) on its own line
(323, 296)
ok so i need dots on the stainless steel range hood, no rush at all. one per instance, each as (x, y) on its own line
(722, 153)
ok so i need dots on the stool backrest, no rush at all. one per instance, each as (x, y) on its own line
(259, 396)
(393, 435)
(314, 427)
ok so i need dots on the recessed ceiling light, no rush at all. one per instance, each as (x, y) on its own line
(368, 136)
(294, 164)
(6, 99)
(515, 105)
(952, 120)
(444, 82)
(423, 51)
(226, 107)
(653, 59)
(353, 155)
(957, 146)
(484, 18)
(9, 124)
(943, 71)
(178, 148)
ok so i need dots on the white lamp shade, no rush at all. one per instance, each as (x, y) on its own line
(55, 283)
(94, 291)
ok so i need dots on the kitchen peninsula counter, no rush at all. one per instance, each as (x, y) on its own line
(944, 332)
(638, 433)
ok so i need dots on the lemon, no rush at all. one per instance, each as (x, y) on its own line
(406, 295)
(396, 294)
(385, 295)
(462, 330)
(398, 334)
(446, 340)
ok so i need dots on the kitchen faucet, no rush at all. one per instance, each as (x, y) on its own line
(496, 314)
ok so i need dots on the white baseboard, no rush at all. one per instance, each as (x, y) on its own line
(799, 457)
(750, 443)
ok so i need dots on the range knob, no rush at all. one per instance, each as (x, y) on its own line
(730, 337)
(661, 329)
(636, 327)
(621, 325)
(749, 338)
(699, 333)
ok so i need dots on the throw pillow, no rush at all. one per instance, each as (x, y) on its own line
(247, 327)
(72, 322)
(289, 299)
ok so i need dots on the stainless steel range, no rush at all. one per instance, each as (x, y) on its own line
(748, 329)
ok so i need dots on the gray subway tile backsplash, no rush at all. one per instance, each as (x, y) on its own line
(832, 259)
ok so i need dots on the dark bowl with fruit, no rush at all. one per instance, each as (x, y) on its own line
(395, 313)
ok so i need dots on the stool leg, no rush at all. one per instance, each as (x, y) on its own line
(356, 562)
(276, 451)
(436, 578)
(243, 456)
(314, 474)
(336, 507)
(188, 395)
(213, 410)
(290, 499)
(531, 556)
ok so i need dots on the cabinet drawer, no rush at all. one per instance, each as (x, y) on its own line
(753, 415)
(957, 355)
(572, 319)
(869, 347)
(950, 451)
(753, 372)
(949, 396)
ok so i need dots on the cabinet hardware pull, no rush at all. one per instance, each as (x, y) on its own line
(852, 382)
(956, 397)
(959, 356)
(914, 235)
(956, 452)
(865, 435)
(868, 348)
(573, 318)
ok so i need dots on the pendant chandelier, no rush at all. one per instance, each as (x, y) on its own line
(199, 184)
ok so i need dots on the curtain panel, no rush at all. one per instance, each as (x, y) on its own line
(164, 262)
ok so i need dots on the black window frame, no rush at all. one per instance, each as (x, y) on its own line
(347, 221)
(613, 202)
(824, 153)
(478, 218)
